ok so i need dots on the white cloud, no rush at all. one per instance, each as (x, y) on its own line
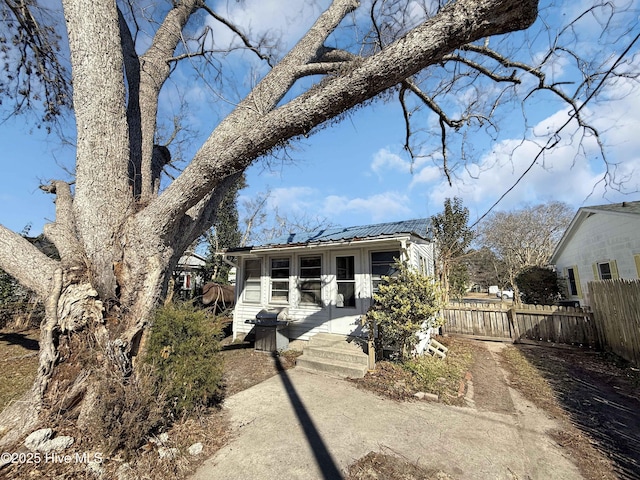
(384, 159)
(291, 199)
(286, 20)
(379, 207)
(427, 175)
(572, 172)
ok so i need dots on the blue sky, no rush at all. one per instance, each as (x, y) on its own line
(356, 172)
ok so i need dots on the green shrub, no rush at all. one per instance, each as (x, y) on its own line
(184, 350)
(405, 304)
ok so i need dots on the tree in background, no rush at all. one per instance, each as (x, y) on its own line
(525, 237)
(120, 231)
(538, 285)
(453, 237)
(224, 234)
(458, 280)
(485, 268)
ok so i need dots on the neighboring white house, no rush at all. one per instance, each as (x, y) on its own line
(326, 278)
(189, 274)
(601, 243)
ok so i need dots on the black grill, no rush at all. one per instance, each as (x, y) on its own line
(270, 330)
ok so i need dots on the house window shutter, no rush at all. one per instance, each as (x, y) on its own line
(578, 285)
(596, 273)
(636, 257)
(614, 270)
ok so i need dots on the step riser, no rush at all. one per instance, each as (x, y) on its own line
(340, 370)
(318, 352)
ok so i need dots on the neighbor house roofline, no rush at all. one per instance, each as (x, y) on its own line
(629, 209)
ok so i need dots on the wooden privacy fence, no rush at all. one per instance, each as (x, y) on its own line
(537, 323)
(616, 311)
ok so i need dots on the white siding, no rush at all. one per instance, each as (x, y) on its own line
(601, 238)
(307, 320)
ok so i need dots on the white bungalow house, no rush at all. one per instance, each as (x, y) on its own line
(601, 243)
(325, 279)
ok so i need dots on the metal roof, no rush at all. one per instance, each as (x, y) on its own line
(418, 227)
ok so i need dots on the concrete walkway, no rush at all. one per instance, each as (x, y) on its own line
(301, 425)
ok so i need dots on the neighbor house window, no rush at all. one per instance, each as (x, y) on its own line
(280, 279)
(346, 279)
(252, 274)
(310, 285)
(572, 277)
(605, 270)
(382, 265)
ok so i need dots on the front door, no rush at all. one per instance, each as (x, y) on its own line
(345, 294)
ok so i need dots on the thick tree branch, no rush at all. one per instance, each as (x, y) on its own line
(456, 24)
(172, 204)
(20, 259)
(132, 72)
(155, 64)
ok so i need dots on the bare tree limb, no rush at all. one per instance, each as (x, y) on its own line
(243, 38)
(23, 261)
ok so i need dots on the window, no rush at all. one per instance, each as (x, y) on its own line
(382, 265)
(605, 270)
(310, 285)
(252, 274)
(573, 282)
(346, 279)
(279, 279)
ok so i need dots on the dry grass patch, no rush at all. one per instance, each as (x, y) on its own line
(18, 364)
(381, 466)
(526, 378)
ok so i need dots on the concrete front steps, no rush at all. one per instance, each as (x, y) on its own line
(333, 355)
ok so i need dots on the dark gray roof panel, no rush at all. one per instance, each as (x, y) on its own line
(418, 227)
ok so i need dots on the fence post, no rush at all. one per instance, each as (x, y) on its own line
(514, 331)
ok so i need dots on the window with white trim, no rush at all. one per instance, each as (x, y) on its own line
(604, 271)
(252, 274)
(382, 266)
(280, 272)
(309, 284)
(346, 280)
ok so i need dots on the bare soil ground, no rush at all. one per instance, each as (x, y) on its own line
(244, 367)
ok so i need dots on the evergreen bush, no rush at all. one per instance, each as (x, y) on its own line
(184, 350)
(405, 304)
(538, 286)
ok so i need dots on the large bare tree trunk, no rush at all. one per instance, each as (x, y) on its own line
(118, 240)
